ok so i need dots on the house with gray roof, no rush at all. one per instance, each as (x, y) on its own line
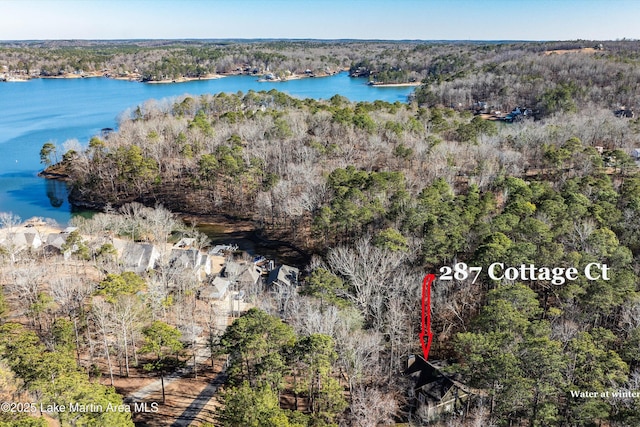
(250, 276)
(436, 391)
(193, 259)
(217, 290)
(18, 241)
(56, 241)
(284, 275)
(136, 257)
(21, 240)
(242, 272)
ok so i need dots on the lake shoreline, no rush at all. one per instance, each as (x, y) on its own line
(135, 77)
(185, 79)
(138, 78)
(408, 84)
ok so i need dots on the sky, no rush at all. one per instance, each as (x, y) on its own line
(320, 19)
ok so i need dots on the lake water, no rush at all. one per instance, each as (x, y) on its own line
(34, 112)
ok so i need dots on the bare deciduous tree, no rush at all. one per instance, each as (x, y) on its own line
(369, 270)
(101, 314)
(372, 407)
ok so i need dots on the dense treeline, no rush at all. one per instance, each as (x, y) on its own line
(264, 352)
(157, 60)
(266, 155)
(545, 82)
(55, 379)
(501, 73)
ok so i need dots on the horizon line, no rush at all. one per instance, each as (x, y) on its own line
(295, 39)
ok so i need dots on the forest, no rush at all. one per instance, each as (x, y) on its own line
(381, 194)
(505, 69)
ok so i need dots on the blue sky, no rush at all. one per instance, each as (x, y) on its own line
(321, 19)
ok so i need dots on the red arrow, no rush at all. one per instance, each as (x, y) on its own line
(426, 315)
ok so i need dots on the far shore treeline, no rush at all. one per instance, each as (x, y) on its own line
(384, 62)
